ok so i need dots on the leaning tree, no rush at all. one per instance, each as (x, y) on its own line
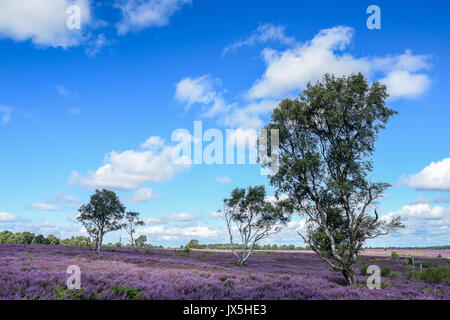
(326, 138)
(103, 214)
(254, 217)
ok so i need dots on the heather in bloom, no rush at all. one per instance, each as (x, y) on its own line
(39, 272)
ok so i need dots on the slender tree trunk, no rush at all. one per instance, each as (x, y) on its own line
(99, 243)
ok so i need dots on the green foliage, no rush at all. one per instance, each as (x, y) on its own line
(103, 214)
(386, 271)
(79, 241)
(394, 254)
(436, 274)
(193, 244)
(140, 241)
(65, 293)
(127, 292)
(363, 269)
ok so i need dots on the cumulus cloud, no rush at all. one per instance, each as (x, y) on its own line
(153, 143)
(7, 217)
(44, 22)
(216, 214)
(266, 32)
(422, 222)
(405, 84)
(223, 180)
(435, 176)
(62, 197)
(5, 114)
(292, 69)
(131, 169)
(179, 217)
(43, 207)
(141, 195)
(140, 14)
(249, 117)
(202, 90)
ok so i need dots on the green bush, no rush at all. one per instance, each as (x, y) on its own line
(363, 269)
(128, 292)
(436, 274)
(394, 254)
(386, 271)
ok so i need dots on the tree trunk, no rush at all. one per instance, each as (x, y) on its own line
(349, 275)
(99, 243)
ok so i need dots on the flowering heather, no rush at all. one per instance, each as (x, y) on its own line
(39, 272)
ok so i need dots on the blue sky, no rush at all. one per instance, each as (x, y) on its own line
(96, 107)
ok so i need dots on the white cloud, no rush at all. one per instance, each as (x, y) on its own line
(216, 214)
(131, 169)
(141, 195)
(202, 90)
(194, 231)
(290, 70)
(405, 84)
(59, 196)
(179, 217)
(44, 22)
(7, 217)
(223, 180)
(435, 176)
(5, 114)
(249, 117)
(96, 45)
(151, 221)
(265, 33)
(43, 207)
(153, 143)
(422, 222)
(140, 14)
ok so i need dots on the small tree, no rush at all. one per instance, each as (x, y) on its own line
(101, 215)
(193, 244)
(141, 240)
(132, 221)
(326, 137)
(254, 217)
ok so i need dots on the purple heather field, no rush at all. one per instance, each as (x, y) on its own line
(39, 272)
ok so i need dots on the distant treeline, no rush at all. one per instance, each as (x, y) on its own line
(219, 246)
(30, 238)
(80, 241)
(413, 248)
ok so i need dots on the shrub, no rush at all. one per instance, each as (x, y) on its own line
(128, 292)
(394, 254)
(386, 271)
(363, 269)
(432, 274)
(439, 255)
